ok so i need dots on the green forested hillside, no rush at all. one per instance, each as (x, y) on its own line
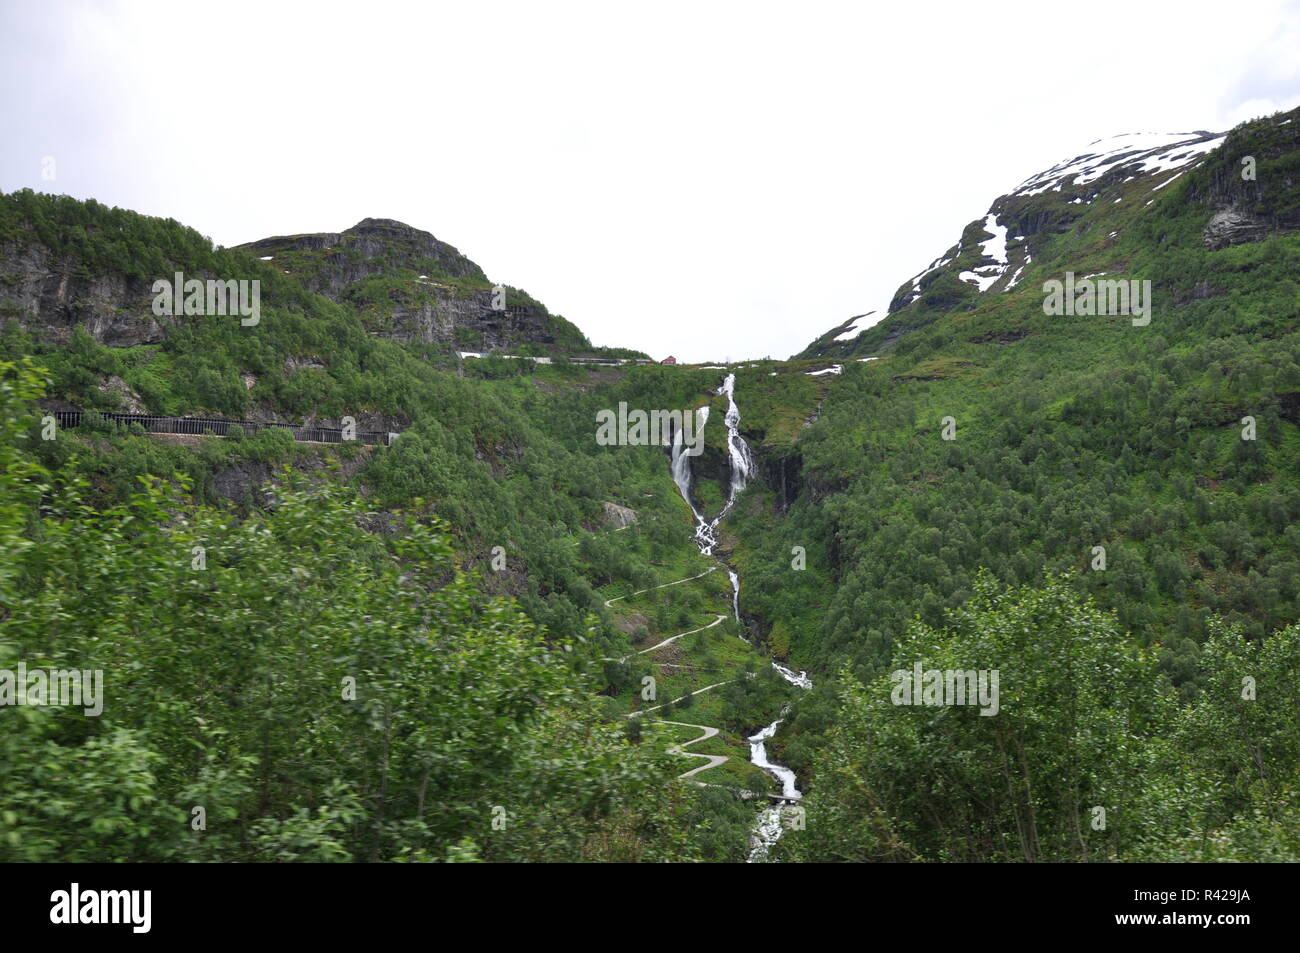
(440, 649)
(1071, 433)
(291, 686)
(224, 682)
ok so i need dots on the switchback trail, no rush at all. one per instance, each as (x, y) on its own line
(670, 640)
(610, 602)
(698, 691)
(711, 760)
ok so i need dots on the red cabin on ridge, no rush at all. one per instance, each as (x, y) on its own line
(669, 360)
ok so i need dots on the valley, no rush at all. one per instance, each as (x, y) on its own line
(586, 607)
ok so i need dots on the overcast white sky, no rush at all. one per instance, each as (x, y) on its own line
(710, 180)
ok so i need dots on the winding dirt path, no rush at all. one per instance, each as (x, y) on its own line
(700, 691)
(667, 641)
(610, 602)
(710, 760)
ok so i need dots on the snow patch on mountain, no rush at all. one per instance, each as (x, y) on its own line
(860, 323)
(1179, 156)
(1148, 152)
(1015, 279)
(994, 247)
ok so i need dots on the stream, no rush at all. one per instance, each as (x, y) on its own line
(769, 827)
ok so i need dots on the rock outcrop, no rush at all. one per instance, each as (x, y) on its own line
(402, 282)
(334, 261)
(49, 297)
(618, 516)
(1231, 226)
(1250, 184)
(407, 285)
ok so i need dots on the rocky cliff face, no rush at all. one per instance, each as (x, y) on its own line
(1252, 184)
(331, 262)
(402, 282)
(408, 285)
(49, 296)
(445, 315)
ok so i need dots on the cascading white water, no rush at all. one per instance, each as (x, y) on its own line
(742, 467)
(801, 680)
(758, 755)
(742, 460)
(681, 467)
(771, 824)
(681, 462)
(769, 827)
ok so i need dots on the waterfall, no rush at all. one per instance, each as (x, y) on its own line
(681, 467)
(758, 755)
(681, 462)
(742, 468)
(800, 680)
(742, 460)
(769, 826)
(735, 593)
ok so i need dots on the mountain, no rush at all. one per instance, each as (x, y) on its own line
(485, 581)
(1073, 216)
(77, 289)
(1099, 514)
(996, 483)
(408, 285)
(66, 264)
